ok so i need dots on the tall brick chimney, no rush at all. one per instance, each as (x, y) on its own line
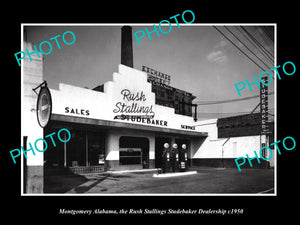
(126, 46)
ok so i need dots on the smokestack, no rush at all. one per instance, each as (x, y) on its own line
(126, 46)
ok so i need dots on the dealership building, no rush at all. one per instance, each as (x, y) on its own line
(124, 123)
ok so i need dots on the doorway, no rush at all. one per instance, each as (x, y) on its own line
(134, 151)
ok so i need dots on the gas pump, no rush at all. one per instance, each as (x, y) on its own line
(166, 158)
(183, 158)
(174, 158)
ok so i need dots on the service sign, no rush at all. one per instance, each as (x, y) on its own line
(44, 107)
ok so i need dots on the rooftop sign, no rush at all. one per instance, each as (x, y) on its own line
(156, 77)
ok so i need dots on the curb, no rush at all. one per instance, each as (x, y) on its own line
(175, 174)
(133, 171)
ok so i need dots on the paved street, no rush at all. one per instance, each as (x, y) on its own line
(206, 181)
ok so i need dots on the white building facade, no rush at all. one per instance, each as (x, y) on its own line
(119, 128)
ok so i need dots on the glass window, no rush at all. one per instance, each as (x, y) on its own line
(129, 156)
(96, 148)
(76, 149)
(134, 150)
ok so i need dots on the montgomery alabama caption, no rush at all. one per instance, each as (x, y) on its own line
(152, 211)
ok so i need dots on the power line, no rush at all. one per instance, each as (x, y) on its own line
(268, 34)
(257, 42)
(271, 60)
(247, 47)
(255, 108)
(226, 113)
(238, 48)
(271, 36)
(230, 114)
(262, 37)
(229, 100)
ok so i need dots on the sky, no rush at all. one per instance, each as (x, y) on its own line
(197, 57)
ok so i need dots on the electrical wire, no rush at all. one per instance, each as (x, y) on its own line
(229, 100)
(268, 34)
(262, 49)
(238, 48)
(257, 42)
(271, 60)
(246, 47)
(229, 114)
(270, 111)
(260, 34)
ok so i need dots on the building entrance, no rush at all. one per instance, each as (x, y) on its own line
(134, 151)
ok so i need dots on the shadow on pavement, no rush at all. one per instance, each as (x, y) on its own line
(97, 179)
(62, 180)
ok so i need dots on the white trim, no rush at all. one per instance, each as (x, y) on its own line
(174, 174)
(131, 171)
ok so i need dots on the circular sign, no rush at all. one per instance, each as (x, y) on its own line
(166, 145)
(183, 146)
(44, 107)
(175, 146)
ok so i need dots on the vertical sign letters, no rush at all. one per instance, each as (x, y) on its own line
(264, 107)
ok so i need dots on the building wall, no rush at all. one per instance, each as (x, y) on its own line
(102, 105)
(32, 76)
(77, 102)
(238, 126)
(180, 100)
(214, 151)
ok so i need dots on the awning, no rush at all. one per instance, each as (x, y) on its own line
(115, 124)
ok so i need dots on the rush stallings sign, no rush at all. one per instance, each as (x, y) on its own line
(133, 108)
(130, 104)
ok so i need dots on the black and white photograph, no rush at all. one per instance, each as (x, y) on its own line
(168, 113)
(131, 115)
